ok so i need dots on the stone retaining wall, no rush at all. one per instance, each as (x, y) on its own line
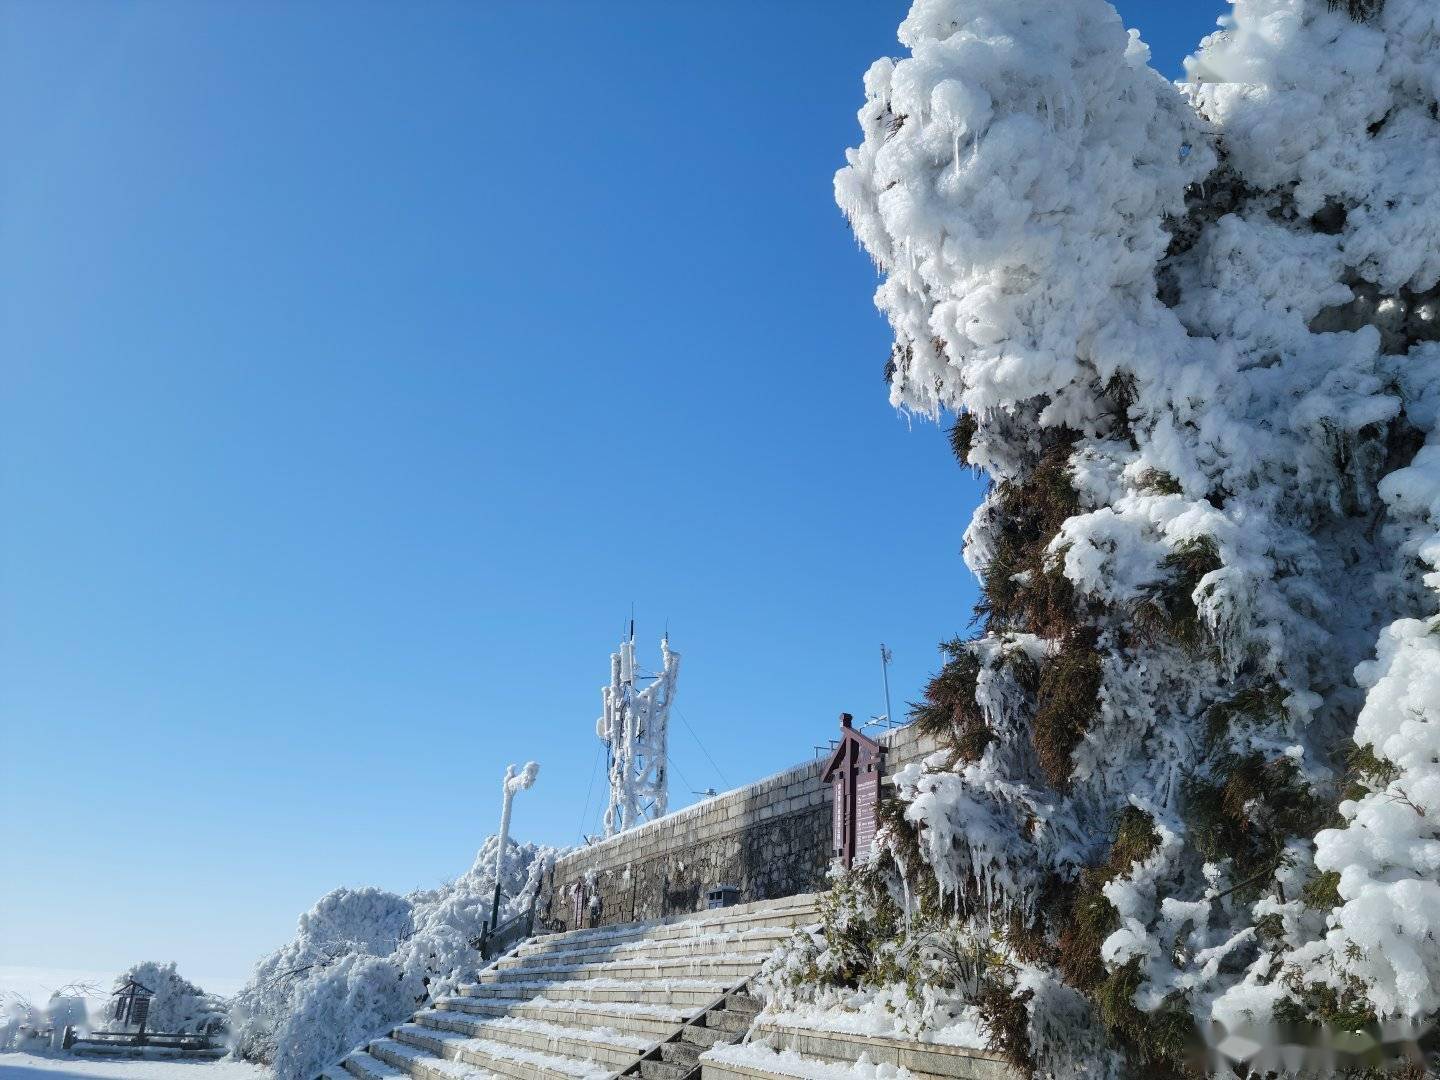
(768, 840)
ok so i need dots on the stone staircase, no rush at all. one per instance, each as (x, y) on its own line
(637, 1000)
(789, 1052)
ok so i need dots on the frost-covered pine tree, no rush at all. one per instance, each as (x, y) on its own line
(1191, 333)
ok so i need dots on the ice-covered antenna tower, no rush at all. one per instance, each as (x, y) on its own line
(633, 728)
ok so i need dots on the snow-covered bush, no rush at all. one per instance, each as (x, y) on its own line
(363, 960)
(19, 1019)
(1192, 334)
(67, 1010)
(177, 1004)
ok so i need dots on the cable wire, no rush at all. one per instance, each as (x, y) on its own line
(700, 744)
(594, 768)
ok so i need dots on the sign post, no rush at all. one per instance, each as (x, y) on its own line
(853, 773)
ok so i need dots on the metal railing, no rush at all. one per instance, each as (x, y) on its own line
(507, 933)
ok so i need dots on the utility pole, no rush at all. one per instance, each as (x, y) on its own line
(513, 782)
(885, 658)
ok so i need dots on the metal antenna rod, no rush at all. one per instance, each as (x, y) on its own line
(885, 658)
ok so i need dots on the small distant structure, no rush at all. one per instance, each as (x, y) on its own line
(634, 727)
(132, 1004)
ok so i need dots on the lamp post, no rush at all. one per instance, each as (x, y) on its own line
(513, 782)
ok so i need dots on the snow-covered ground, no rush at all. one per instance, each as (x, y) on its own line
(36, 1067)
(36, 984)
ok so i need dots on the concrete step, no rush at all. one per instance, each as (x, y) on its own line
(729, 967)
(782, 916)
(676, 992)
(736, 1017)
(420, 1064)
(924, 1059)
(762, 1064)
(744, 1001)
(366, 1067)
(627, 1018)
(682, 1052)
(603, 1045)
(732, 1023)
(758, 939)
(704, 1036)
(502, 1059)
(662, 1070)
(587, 1004)
(788, 911)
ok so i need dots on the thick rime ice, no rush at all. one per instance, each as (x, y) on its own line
(635, 728)
(1013, 183)
(1387, 932)
(1218, 302)
(363, 960)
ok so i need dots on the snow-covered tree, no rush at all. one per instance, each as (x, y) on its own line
(364, 959)
(18, 1019)
(67, 1009)
(1191, 332)
(177, 1004)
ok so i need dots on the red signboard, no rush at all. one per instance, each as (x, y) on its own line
(853, 772)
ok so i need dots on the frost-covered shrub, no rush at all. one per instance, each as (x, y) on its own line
(22, 1022)
(1192, 334)
(177, 1004)
(19, 1019)
(363, 960)
(905, 964)
(66, 1010)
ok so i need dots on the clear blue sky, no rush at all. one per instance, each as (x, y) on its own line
(362, 365)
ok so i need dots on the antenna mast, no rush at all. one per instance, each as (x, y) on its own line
(634, 727)
(885, 657)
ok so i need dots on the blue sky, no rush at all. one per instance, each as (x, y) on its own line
(363, 364)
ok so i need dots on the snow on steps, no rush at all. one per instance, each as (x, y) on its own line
(758, 938)
(643, 999)
(789, 911)
(627, 1017)
(725, 966)
(690, 992)
(794, 1053)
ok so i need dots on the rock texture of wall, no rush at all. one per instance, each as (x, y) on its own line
(767, 840)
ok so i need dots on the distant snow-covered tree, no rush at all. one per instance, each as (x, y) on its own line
(18, 1019)
(364, 959)
(177, 1004)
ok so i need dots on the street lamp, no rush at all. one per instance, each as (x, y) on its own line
(513, 782)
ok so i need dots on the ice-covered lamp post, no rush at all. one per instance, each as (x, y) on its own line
(513, 782)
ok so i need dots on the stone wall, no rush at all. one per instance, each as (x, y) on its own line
(769, 839)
